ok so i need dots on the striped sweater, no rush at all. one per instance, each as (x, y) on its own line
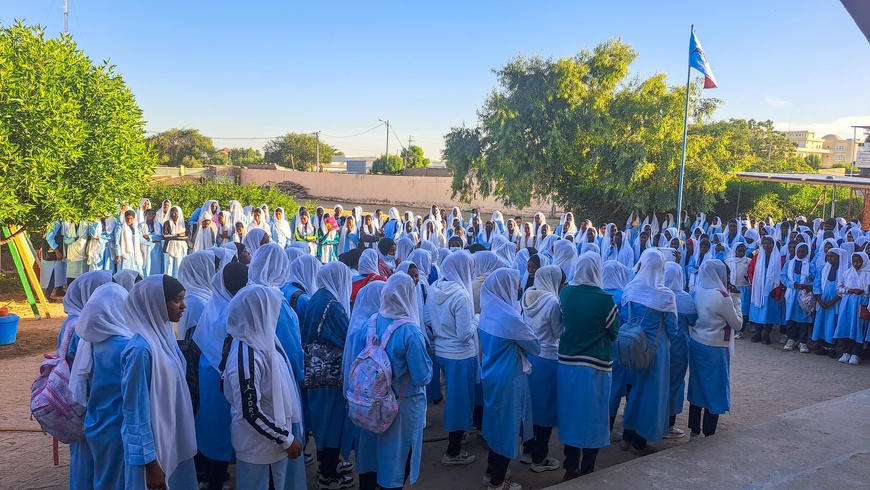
(591, 321)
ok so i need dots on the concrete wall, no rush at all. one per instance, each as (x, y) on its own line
(380, 189)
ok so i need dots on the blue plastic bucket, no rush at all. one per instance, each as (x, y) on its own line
(8, 329)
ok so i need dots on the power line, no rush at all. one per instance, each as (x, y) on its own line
(358, 134)
(273, 137)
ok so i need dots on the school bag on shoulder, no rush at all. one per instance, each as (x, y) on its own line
(51, 402)
(371, 403)
(322, 360)
(633, 349)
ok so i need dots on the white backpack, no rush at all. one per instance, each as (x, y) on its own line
(372, 404)
(51, 401)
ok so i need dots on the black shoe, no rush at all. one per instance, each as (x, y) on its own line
(765, 339)
(756, 338)
(821, 351)
(832, 353)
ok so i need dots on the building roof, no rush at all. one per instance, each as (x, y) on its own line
(832, 137)
(808, 179)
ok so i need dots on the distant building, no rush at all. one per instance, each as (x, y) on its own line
(352, 165)
(832, 148)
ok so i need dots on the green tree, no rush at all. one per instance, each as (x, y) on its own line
(580, 132)
(813, 161)
(72, 139)
(385, 166)
(413, 155)
(298, 151)
(187, 147)
(245, 156)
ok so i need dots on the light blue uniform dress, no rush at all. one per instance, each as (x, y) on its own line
(301, 300)
(621, 376)
(387, 453)
(849, 324)
(104, 419)
(127, 262)
(213, 419)
(647, 404)
(709, 377)
(136, 434)
(772, 311)
(81, 462)
(793, 310)
(507, 399)
(686, 315)
(152, 253)
(826, 318)
(95, 230)
(49, 267)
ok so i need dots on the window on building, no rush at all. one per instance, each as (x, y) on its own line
(839, 158)
(840, 148)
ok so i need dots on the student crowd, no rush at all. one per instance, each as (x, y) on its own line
(339, 327)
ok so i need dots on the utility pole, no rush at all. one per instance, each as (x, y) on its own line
(66, 16)
(407, 153)
(317, 150)
(387, 154)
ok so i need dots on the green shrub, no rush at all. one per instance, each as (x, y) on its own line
(190, 196)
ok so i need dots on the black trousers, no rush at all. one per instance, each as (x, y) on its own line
(496, 467)
(328, 459)
(695, 421)
(369, 481)
(209, 471)
(636, 441)
(454, 442)
(798, 332)
(573, 462)
(477, 417)
(539, 446)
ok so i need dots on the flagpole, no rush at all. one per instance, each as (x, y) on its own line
(683, 157)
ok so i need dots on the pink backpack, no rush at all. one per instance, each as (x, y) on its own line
(51, 401)
(372, 404)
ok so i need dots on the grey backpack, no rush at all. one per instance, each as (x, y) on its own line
(633, 349)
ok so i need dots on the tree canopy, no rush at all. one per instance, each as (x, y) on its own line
(414, 158)
(584, 133)
(298, 151)
(72, 140)
(187, 147)
(385, 166)
(244, 156)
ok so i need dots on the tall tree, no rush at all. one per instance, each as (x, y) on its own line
(72, 139)
(244, 156)
(581, 132)
(177, 147)
(387, 166)
(413, 156)
(298, 151)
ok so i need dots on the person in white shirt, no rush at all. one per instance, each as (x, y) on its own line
(711, 345)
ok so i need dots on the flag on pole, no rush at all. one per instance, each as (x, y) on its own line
(698, 61)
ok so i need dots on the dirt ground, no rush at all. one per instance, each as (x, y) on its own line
(765, 382)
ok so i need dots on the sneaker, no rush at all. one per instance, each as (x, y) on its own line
(789, 345)
(466, 436)
(804, 348)
(765, 339)
(738, 335)
(461, 459)
(783, 339)
(344, 467)
(526, 458)
(335, 482)
(487, 477)
(695, 437)
(571, 474)
(844, 358)
(549, 464)
(755, 338)
(615, 435)
(821, 351)
(506, 485)
(854, 360)
(309, 459)
(674, 433)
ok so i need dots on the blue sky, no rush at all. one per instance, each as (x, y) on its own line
(236, 69)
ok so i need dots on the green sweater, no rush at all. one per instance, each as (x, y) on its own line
(591, 322)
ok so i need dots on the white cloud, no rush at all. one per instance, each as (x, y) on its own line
(841, 126)
(774, 102)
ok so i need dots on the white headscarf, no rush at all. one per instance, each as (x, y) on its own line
(769, 282)
(587, 271)
(126, 278)
(294, 253)
(648, 286)
(80, 290)
(614, 275)
(335, 277)
(195, 273)
(400, 299)
(368, 263)
(101, 318)
(169, 398)
(500, 310)
(211, 328)
(282, 225)
(270, 266)
(486, 263)
(805, 271)
(252, 316)
(857, 279)
(423, 260)
(547, 280)
(160, 216)
(459, 268)
(841, 269)
(303, 271)
(404, 247)
(175, 248)
(565, 256)
(205, 235)
(367, 303)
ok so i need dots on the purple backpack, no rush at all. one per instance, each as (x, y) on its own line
(51, 401)
(372, 404)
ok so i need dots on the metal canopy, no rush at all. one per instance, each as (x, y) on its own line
(809, 179)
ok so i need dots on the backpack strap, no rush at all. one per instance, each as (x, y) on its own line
(294, 298)
(65, 341)
(323, 319)
(655, 345)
